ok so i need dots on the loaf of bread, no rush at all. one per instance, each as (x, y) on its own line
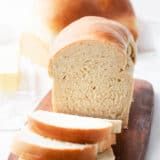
(57, 14)
(92, 69)
(30, 146)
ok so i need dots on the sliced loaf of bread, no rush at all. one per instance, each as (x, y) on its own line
(92, 69)
(31, 146)
(69, 128)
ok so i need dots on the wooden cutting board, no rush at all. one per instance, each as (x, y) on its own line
(132, 143)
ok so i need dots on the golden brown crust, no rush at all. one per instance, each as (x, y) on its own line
(29, 151)
(58, 14)
(95, 29)
(131, 23)
(114, 141)
(69, 134)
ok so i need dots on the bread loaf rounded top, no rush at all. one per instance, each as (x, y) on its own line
(58, 13)
(96, 29)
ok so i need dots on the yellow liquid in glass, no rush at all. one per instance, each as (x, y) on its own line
(9, 68)
(9, 82)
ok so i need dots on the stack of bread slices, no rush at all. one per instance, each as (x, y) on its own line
(58, 136)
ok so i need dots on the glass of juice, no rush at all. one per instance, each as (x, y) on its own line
(9, 59)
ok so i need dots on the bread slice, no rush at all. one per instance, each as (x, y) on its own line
(107, 155)
(106, 143)
(92, 69)
(116, 125)
(29, 145)
(69, 128)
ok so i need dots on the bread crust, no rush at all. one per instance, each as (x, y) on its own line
(30, 151)
(57, 14)
(95, 29)
(69, 134)
(106, 143)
